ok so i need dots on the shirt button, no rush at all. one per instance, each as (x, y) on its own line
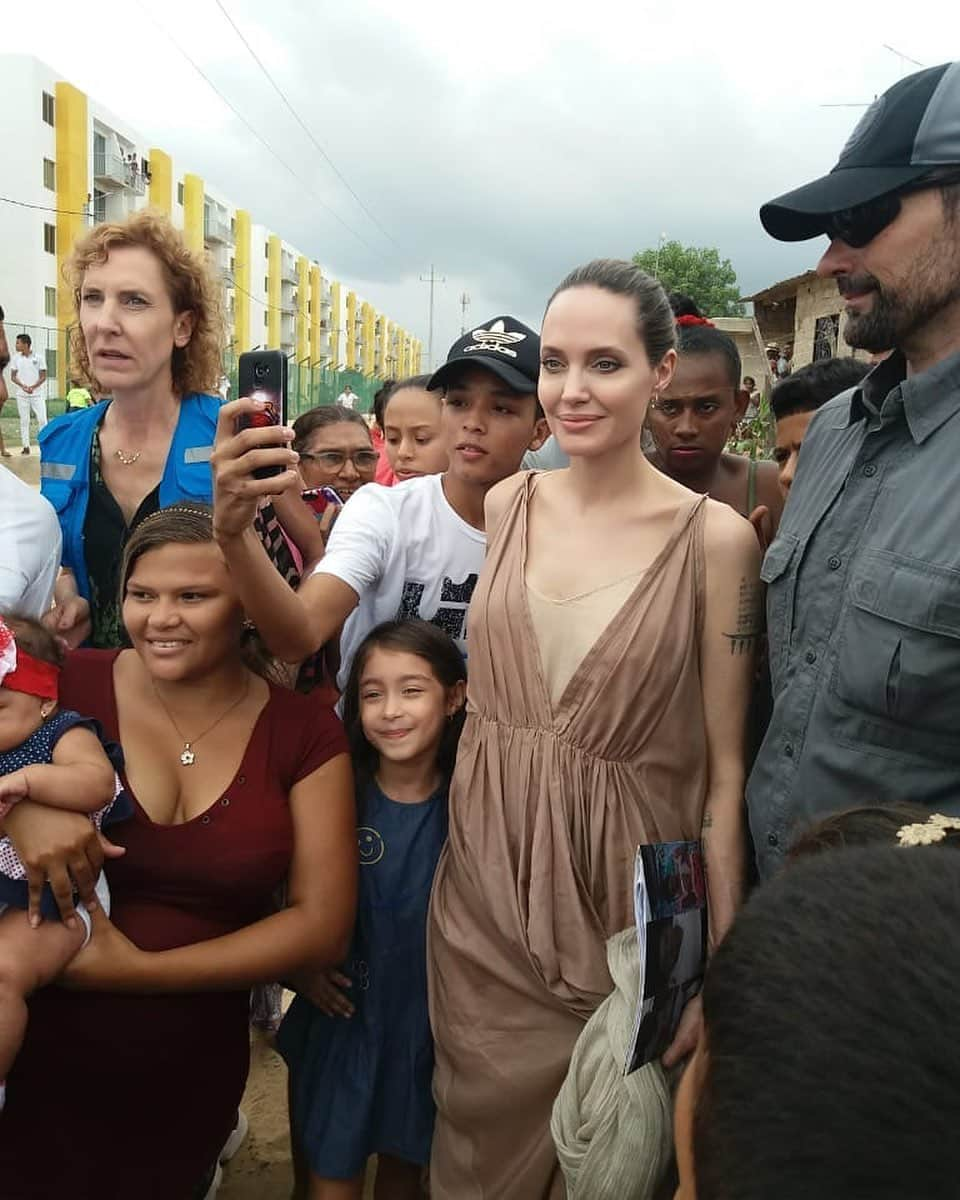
(241, 779)
(205, 820)
(788, 750)
(772, 839)
(834, 563)
(870, 469)
(810, 656)
(225, 802)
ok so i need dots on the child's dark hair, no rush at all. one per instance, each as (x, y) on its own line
(683, 305)
(704, 339)
(437, 649)
(34, 638)
(420, 382)
(867, 825)
(831, 1062)
(380, 398)
(810, 387)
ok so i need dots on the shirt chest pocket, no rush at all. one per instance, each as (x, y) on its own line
(779, 573)
(898, 657)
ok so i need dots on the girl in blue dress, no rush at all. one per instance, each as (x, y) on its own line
(361, 1054)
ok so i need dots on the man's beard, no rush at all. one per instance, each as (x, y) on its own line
(897, 313)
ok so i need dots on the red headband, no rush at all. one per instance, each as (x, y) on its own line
(690, 319)
(33, 676)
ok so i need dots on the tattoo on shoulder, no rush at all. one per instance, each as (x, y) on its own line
(749, 628)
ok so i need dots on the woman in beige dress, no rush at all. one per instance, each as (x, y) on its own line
(611, 640)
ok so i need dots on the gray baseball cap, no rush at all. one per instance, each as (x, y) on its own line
(910, 131)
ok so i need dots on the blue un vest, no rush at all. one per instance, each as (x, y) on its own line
(65, 469)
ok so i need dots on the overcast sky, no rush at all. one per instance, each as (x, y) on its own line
(503, 142)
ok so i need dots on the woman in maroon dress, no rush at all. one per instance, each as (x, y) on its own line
(128, 1085)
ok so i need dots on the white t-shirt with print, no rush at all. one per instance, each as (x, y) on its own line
(28, 368)
(406, 553)
(347, 399)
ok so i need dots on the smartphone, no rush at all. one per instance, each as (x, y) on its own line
(262, 375)
(320, 499)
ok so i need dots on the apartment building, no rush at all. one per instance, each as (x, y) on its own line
(69, 163)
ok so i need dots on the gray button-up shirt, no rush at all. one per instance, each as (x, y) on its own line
(863, 611)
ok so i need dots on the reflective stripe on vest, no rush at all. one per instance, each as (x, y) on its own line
(197, 454)
(52, 470)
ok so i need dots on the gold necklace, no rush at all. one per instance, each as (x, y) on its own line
(127, 459)
(187, 755)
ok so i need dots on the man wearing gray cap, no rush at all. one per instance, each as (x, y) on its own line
(863, 601)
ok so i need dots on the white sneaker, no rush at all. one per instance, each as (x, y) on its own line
(235, 1140)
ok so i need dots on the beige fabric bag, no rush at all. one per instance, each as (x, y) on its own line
(613, 1133)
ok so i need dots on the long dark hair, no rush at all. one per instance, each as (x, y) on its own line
(189, 524)
(438, 650)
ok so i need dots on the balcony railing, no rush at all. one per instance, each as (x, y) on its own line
(113, 168)
(216, 228)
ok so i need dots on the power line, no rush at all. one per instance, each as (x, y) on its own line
(240, 117)
(303, 125)
(68, 212)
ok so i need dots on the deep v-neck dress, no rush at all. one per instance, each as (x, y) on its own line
(547, 806)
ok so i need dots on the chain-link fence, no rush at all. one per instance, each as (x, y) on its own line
(307, 386)
(311, 387)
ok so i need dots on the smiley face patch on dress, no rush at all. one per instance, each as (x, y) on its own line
(370, 844)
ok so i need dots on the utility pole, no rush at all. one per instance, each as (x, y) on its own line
(660, 242)
(464, 305)
(433, 279)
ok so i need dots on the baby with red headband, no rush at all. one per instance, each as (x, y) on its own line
(52, 757)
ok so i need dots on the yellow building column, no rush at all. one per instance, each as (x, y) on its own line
(336, 325)
(73, 190)
(303, 308)
(369, 340)
(351, 353)
(274, 292)
(417, 357)
(316, 314)
(161, 181)
(193, 212)
(241, 282)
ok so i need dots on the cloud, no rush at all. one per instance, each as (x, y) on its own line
(503, 143)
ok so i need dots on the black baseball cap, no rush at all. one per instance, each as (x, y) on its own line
(505, 346)
(910, 131)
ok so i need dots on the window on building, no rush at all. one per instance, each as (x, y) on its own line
(266, 283)
(50, 301)
(825, 335)
(50, 239)
(265, 317)
(48, 108)
(99, 207)
(233, 264)
(51, 356)
(180, 192)
(233, 227)
(266, 249)
(49, 175)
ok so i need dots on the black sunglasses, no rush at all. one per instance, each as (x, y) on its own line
(859, 225)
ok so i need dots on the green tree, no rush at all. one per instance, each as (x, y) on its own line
(698, 272)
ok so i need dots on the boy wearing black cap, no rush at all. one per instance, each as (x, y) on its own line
(414, 550)
(863, 580)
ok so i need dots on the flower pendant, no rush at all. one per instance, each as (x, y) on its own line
(188, 758)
